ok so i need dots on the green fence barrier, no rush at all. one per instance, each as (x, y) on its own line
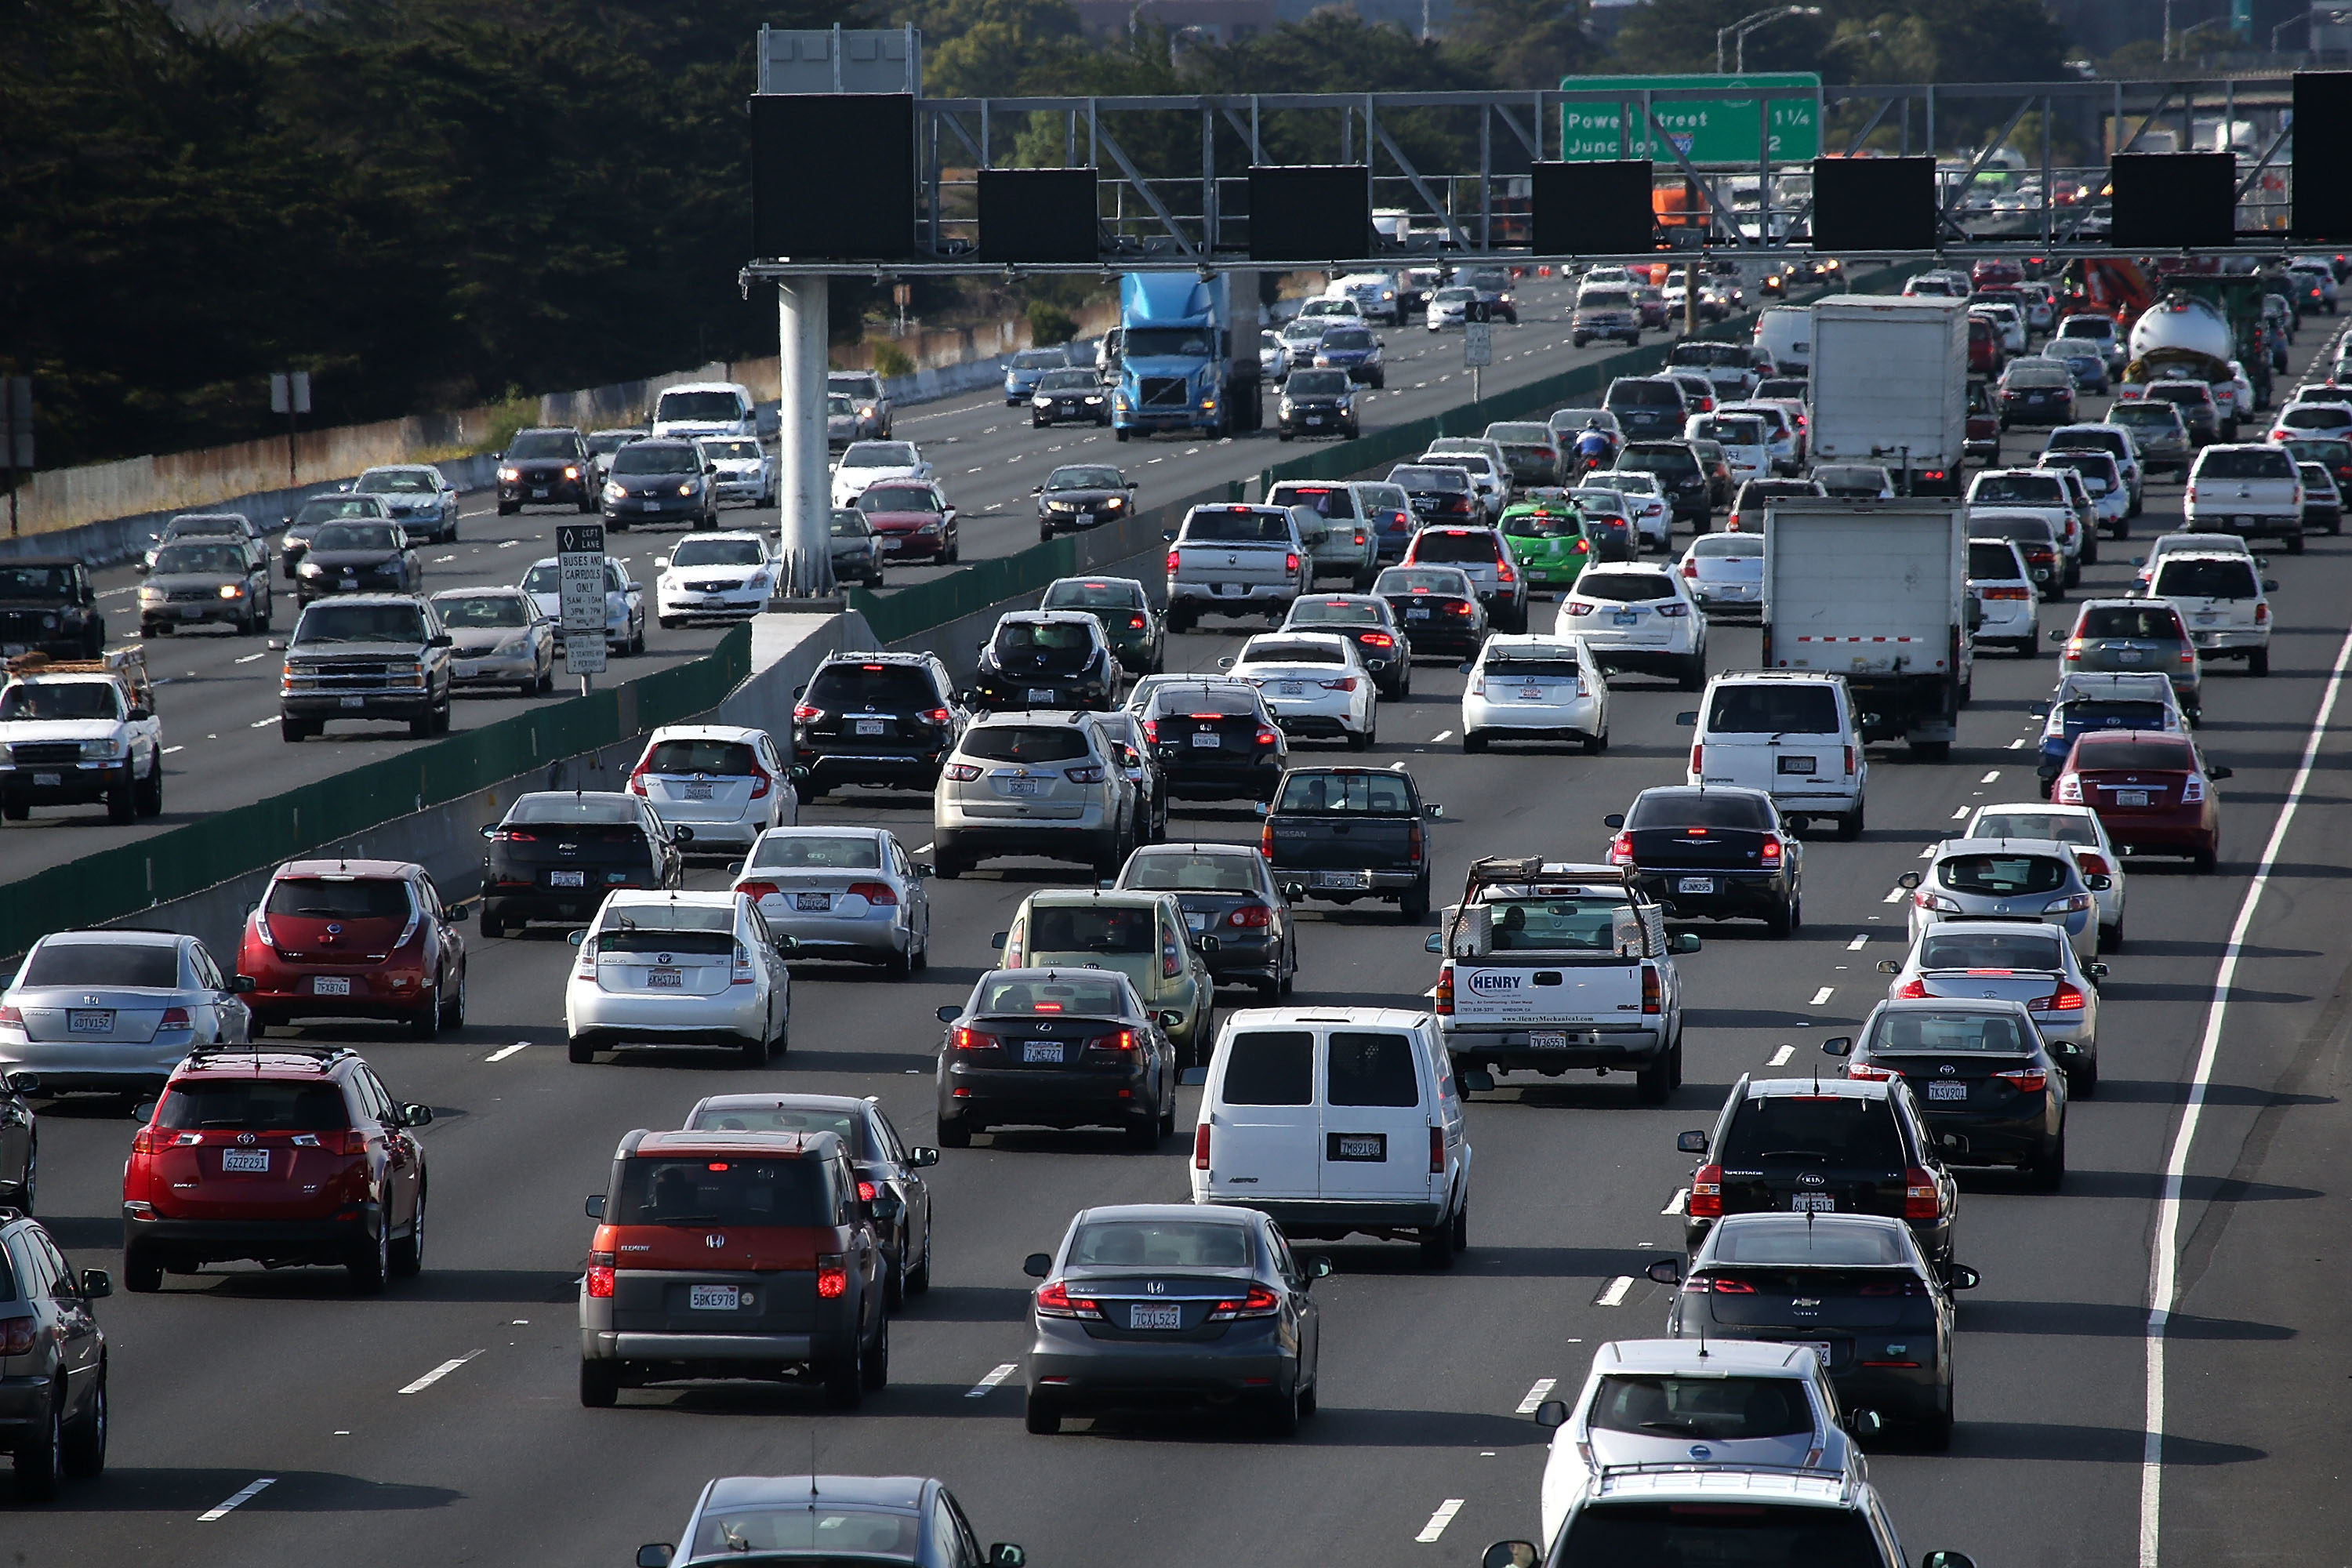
(112, 883)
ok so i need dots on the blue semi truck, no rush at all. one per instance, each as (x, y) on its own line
(1184, 362)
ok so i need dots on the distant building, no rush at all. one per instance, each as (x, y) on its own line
(1208, 21)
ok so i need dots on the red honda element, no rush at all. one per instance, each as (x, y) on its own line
(354, 939)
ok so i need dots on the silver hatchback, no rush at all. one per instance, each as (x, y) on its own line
(115, 1011)
(842, 893)
(2022, 879)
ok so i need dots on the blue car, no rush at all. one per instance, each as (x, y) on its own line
(2096, 701)
(1354, 349)
(1021, 377)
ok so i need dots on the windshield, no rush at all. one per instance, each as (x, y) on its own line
(60, 700)
(1727, 546)
(1271, 651)
(360, 622)
(485, 610)
(700, 1190)
(1071, 641)
(200, 558)
(655, 457)
(2157, 416)
(734, 759)
(2018, 489)
(886, 687)
(1697, 808)
(1068, 380)
(1800, 1243)
(348, 536)
(718, 552)
(830, 851)
(2004, 876)
(1709, 1409)
(701, 407)
(1040, 359)
(1907, 1030)
(537, 444)
(1716, 1535)
(142, 965)
(1175, 342)
(898, 498)
(1761, 708)
(1447, 583)
(1419, 478)
(1533, 524)
(1178, 872)
(1161, 1244)
(1238, 527)
(2192, 393)
(1658, 460)
(395, 482)
(2321, 416)
(1085, 479)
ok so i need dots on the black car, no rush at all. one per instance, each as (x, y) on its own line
(1080, 496)
(1990, 1089)
(856, 549)
(1344, 834)
(890, 1169)
(660, 481)
(1647, 407)
(1056, 1047)
(556, 854)
(315, 514)
(48, 605)
(1380, 636)
(1215, 742)
(885, 719)
(198, 579)
(547, 468)
(1131, 623)
(1319, 402)
(1679, 475)
(1854, 1287)
(359, 558)
(1721, 854)
(1439, 493)
(1494, 287)
(1045, 658)
(1067, 396)
(1438, 606)
(1226, 891)
(1823, 1145)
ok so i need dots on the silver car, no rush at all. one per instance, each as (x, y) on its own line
(746, 473)
(2014, 962)
(724, 780)
(419, 496)
(2023, 879)
(2079, 828)
(500, 638)
(115, 1011)
(842, 893)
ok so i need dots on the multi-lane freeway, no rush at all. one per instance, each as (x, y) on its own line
(439, 1422)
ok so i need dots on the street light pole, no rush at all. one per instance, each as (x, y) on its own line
(1737, 32)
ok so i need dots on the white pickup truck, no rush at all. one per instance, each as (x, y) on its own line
(1553, 965)
(1236, 560)
(81, 733)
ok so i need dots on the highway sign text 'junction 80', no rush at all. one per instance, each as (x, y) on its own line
(1705, 131)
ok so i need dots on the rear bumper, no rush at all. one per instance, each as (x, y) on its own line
(1994, 1140)
(517, 905)
(1045, 1097)
(79, 1065)
(1512, 1050)
(2164, 835)
(895, 769)
(1753, 893)
(1375, 882)
(328, 1241)
(605, 1019)
(1252, 781)
(1254, 599)
(500, 669)
(1330, 1218)
(284, 994)
(1084, 840)
(1076, 1372)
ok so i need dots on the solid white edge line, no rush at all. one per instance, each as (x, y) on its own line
(438, 1372)
(237, 1499)
(1613, 1293)
(1441, 1519)
(2163, 1264)
(996, 1375)
(1540, 1390)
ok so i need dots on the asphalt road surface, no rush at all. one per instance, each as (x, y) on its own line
(236, 1376)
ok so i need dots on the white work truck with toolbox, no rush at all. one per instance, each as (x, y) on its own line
(1889, 384)
(1556, 965)
(1875, 590)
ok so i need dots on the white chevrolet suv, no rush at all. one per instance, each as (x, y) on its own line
(1034, 782)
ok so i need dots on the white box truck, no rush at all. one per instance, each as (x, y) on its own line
(1876, 591)
(1890, 385)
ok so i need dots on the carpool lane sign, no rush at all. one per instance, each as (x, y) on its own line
(579, 568)
(1705, 130)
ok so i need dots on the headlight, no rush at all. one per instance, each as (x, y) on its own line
(102, 750)
(311, 569)
(150, 595)
(1287, 408)
(867, 411)
(509, 475)
(572, 473)
(688, 488)
(1094, 397)
(614, 491)
(1110, 503)
(231, 591)
(513, 645)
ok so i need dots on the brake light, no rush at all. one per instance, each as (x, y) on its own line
(1654, 995)
(600, 1274)
(874, 892)
(1578, 607)
(1377, 639)
(865, 1192)
(1920, 1199)
(802, 713)
(1443, 998)
(1171, 563)
(1437, 1150)
(638, 779)
(174, 1018)
(2026, 1080)
(1260, 1302)
(1849, 759)
(1698, 752)
(1290, 562)
(2069, 790)
(152, 1139)
(1911, 989)
(2073, 647)
(1152, 731)
(1503, 573)
(1771, 853)
(1690, 569)
(741, 974)
(1251, 915)
(1345, 683)
(1265, 840)
(1413, 841)
(1621, 849)
(1864, 1071)
(1707, 1193)
(831, 1279)
(515, 836)
(17, 1335)
(757, 890)
(962, 773)
(2067, 998)
(1054, 1300)
(761, 782)
(1201, 1147)
(1266, 737)
(2192, 790)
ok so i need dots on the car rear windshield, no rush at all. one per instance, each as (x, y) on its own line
(2065, 827)
(2103, 713)
(1728, 547)
(1237, 527)
(1353, 340)
(2192, 393)
(1369, 1067)
(782, 1118)
(1108, 593)
(1272, 652)
(837, 851)
(1327, 500)
(1697, 808)
(1270, 1066)
(154, 965)
(1959, 1030)
(2108, 441)
(257, 1105)
(1446, 585)
(1717, 1535)
(1657, 460)
(317, 511)
(1824, 1129)
(1420, 477)
(2098, 327)
(1520, 432)
(2154, 416)
(1092, 928)
(1624, 587)
(2024, 530)
(1168, 870)
(2019, 489)
(2025, 949)
(485, 610)
(2325, 416)
(1735, 432)
(1554, 925)
(2206, 580)
(698, 406)
(577, 806)
(339, 898)
(1202, 701)
(1457, 544)
(1161, 1244)
(1524, 662)
(1801, 1243)
(2160, 624)
(664, 942)
(1542, 525)
(1339, 612)
(885, 687)
(2004, 876)
(1059, 643)
(2138, 754)
(1334, 794)
(733, 758)
(898, 498)
(1704, 1409)
(1992, 563)
(2022, 372)
(657, 457)
(2246, 463)
(721, 1189)
(1031, 998)
(1026, 744)
(1644, 395)
(1770, 709)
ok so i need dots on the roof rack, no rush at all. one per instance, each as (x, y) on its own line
(256, 1050)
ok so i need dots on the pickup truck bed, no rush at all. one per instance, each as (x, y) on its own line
(1345, 833)
(1236, 561)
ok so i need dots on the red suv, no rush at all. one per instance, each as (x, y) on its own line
(354, 939)
(279, 1154)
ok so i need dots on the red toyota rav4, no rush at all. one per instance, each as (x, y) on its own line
(354, 939)
(280, 1154)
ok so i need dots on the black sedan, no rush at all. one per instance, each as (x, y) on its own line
(1990, 1090)
(1720, 854)
(1070, 397)
(1056, 1047)
(1375, 625)
(359, 558)
(317, 513)
(1853, 1287)
(1319, 402)
(555, 855)
(660, 481)
(1080, 496)
(1226, 891)
(1045, 658)
(1214, 741)
(1438, 606)
(1154, 1306)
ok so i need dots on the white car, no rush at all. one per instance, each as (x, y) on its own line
(2009, 607)
(2010, 321)
(1332, 312)
(746, 472)
(1447, 306)
(2079, 828)
(842, 893)
(1528, 686)
(866, 463)
(1375, 294)
(1747, 445)
(1725, 572)
(1314, 683)
(714, 576)
(1494, 478)
(679, 968)
(1791, 734)
(727, 782)
(2103, 478)
(625, 601)
(1647, 503)
(2166, 544)
(2223, 600)
(1637, 617)
(1273, 357)
(1048, 783)
(1784, 428)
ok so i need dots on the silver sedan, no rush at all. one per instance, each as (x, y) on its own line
(115, 1011)
(842, 893)
(500, 638)
(2012, 961)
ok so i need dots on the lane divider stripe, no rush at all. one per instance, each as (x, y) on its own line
(438, 1372)
(1613, 1293)
(1441, 1519)
(1537, 1394)
(996, 1375)
(237, 1499)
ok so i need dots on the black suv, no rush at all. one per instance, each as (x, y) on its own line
(547, 468)
(47, 606)
(1837, 1145)
(1045, 658)
(365, 656)
(1679, 475)
(52, 1359)
(884, 719)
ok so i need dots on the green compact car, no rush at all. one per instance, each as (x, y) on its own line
(1143, 935)
(1545, 533)
(1137, 635)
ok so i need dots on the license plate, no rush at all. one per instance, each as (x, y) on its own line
(2243, 521)
(354, 701)
(871, 727)
(1140, 1316)
(1208, 741)
(1041, 694)
(89, 1021)
(1047, 1051)
(330, 985)
(1416, 614)
(1292, 688)
(1549, 1042)
(1351, 879)
(1024, 786)
(47, 781)
(1086, 519)
(1229, 590)
(1366, 1146)
(2128, 655)
(245, 1159)
(1811, 1203)
(191, 612)
(1797, 764)
(1196, 923)
(698, 791)
(888, 542)
(2206, 617)
(1695, 885)
(1627, 619)
(2131, 797)
(1531, 694)
(818, 901)
(567, 879)
(665, 979)
(713, 1298)
(1947, 1091)
(651, 505)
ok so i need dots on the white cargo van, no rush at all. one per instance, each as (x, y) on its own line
(1786, 332)
(1791, 734)
(1336, 1121)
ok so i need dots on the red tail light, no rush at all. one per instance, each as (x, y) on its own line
(756, 890)
(1720, 1285)
(1377, 639)
(1289, 564)
(1621, 849)
(1152, 731)
(1265, 840)
(1260, 1302)
(962, 773)
(1135, 622)
(1269, 737)
(638, 779)
(1171, 563)
(1868, 1073)
(1911, 989)
(151, 1141)
(936, 717)
(762, 781)
(2261, 612)
(1849, 759)
(1654, 995)
(1771, 853)
(802, 713)
(1201, 1147)
(1443, 1000)
(1698, 752)
(865, 1192)
(2026, 1080)
(13, 1017)
(1345, 683)
(19, 1335)
(1503, 572)
(174, 1018)
(1707, 1193)
(1437, 1150)
(1690, 569)
(831, 1279)
(1413, 841)
(515, 836)
(973, 1039)
(1054, 1300)
(1920, 1199)
(1251, 915)
(874, 893)
(600, 1274)
(2067, 998)
(2069, 790)
(2095, 865)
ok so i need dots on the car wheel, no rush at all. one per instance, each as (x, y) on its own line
(122, 801)
(579, 1050)
(1281, 1419)
(956, 1134)
(1935, 1433)
(600, 1384)
(878, 1359)
(408, 1252)
(919, 1278)
(41, 1461)
(2207, 861)
(453, 1006)
(424, 1021)
(845, 1376)
(1415, 905)
(753, 1053)
(1041, 1416)
(85, 1438)
(150, 790)
(2258, 663)
(1654, 1082)
(1143, 1137)
(1437, 1244)
(1782, 922)
(668, 623)
(1849, 823)
(142, 1273)
(1473, 742)
(2083, 1080)
(1693, 676)
(2111, 938)
(370, 1263)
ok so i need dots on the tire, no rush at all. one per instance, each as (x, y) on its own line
(453, 1006)
(2083, 1082)
(579, 1049)
(426, 1021)
(1473, 742)
(877, 1359)
(492, 926)
(2258, 663)
(2295, 544)
(370, 1263)
(919, 1278)
(1935, 1433)
(753, 1053)
(40, 1463)
(1782, 922)
(1038, 1413)
(122, 801)
(1143, 1137)
(1414, 906)
(956, 1134)
(408, 1252)
(2049, 1168)
(600, 1384)
(85, 1439)
(1281, 1417)
(1654, 1083)
(845, 1377)
(1849, 823)
(2206, 861)
(142, 1275)
(1437, 1248)
(151, 789)
(2111, 938)
(1596, 745)
(1359, 743)
(668, 623)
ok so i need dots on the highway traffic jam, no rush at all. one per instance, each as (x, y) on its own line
(1556, 993)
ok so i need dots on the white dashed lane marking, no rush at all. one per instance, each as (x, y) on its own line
(1537, 1394)
(1613, 1293)
(1781, 1057)
(236, 1498)
(1857, 943)
(250, 658)
(438, 1372)
(1441, 1519)
(503, 1052)
(996, 1375)
(1990, 777)
(1678, 1204)
(1821, 995)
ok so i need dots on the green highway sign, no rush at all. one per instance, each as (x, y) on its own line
(1706, 130)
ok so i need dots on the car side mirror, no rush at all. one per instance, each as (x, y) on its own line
(1169, 534)
(1666, 1271)
(238, 985)
(1168, 1020)
(457, 914)
(1205, 944)
(2269, 585)
(415, 1115)
(1889, 966)
(923, 1157)
(949, 1014)
(441, 639)
(1614, 819)
(143, 568)
(1683, 941)
(1948, 1560)
(785, 944)
(1965, 1278)
(2095, 971)
(1226, 662)
(922, 868)
(681, 834)
(2217, 774)
(595, 1205)
(576, 938)
(277, 645)
(1004, 1555)
(998, 940)
(2058, 635)
(1908, 880)
(1466, 667)
(2139, 560)
(1435, 942)
(1522, 1554)
(1294, 890)
(1038, 1265)
(1431, 811)
(1838, 1045)
(2099, 882)
(1691, 1142)
(1952, 1142)
(97, 1284)
(654, 1556)
(1865, 1424)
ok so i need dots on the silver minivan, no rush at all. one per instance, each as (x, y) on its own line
(1791, 733)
